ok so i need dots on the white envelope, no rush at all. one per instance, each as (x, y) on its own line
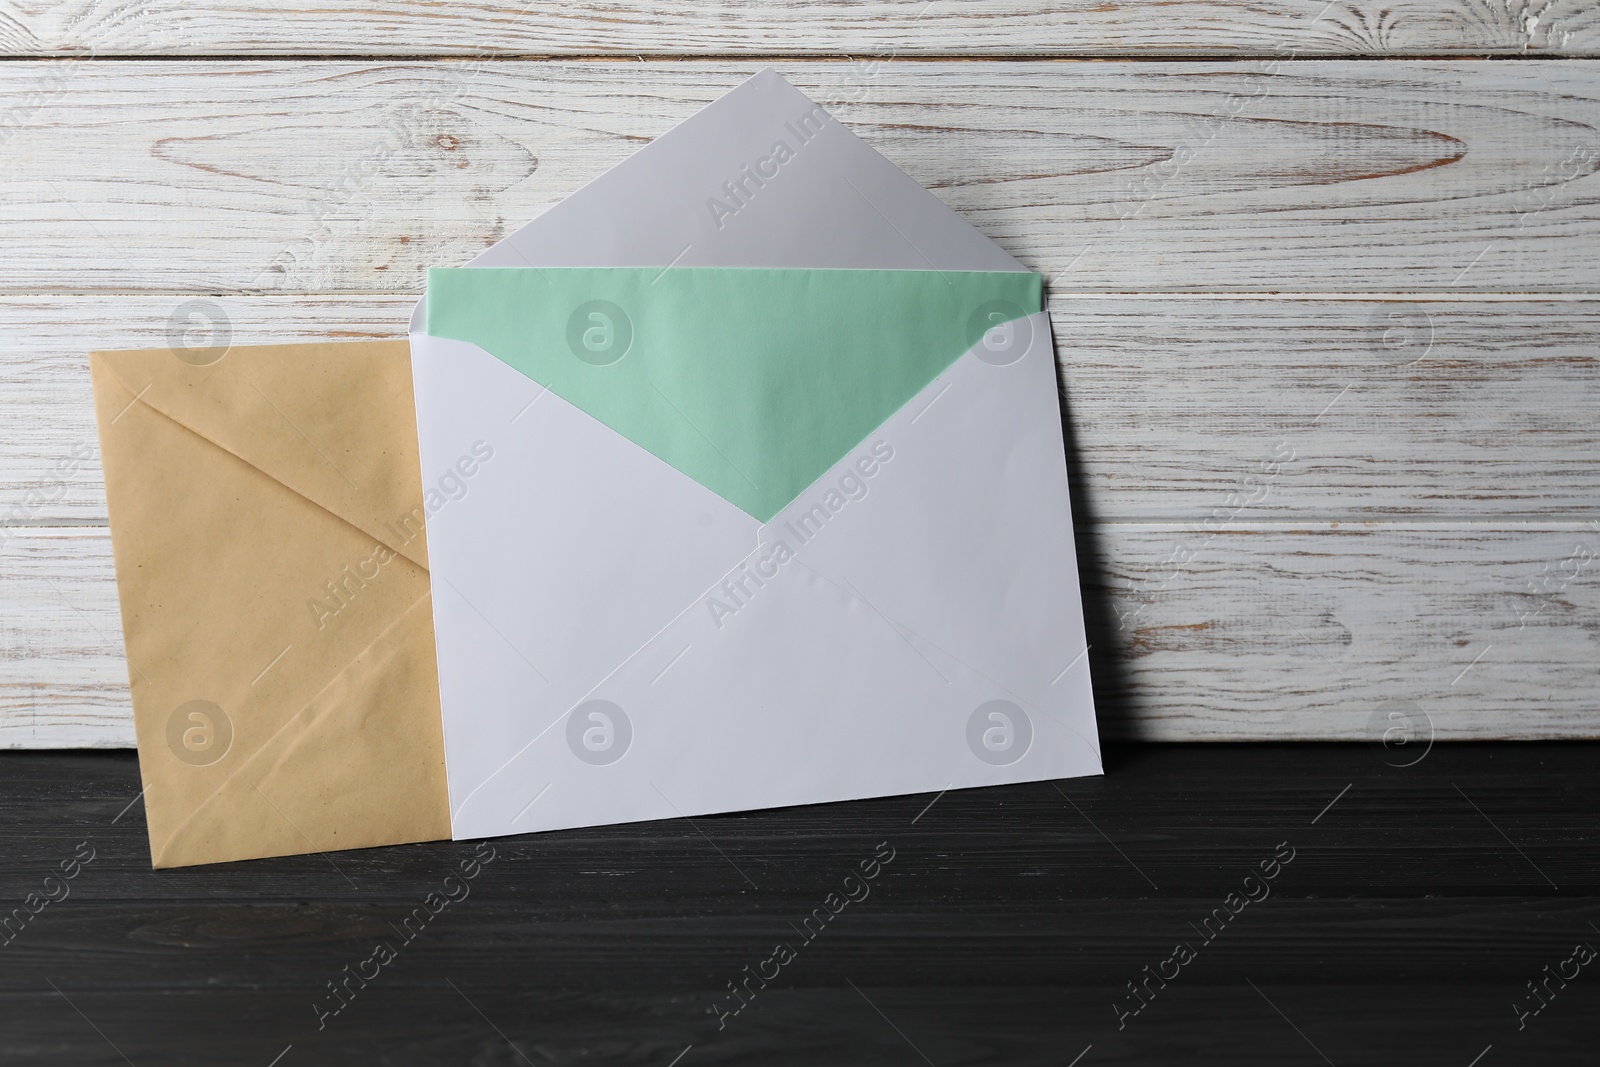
(930, 637)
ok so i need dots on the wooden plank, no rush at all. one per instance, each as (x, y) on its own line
(63, 678)
(1295, 409)
(1251, 632)
(47, 424)
(1004, 929)
(296, 176)
(1180, 409)
(1255, 631)
(751, 27)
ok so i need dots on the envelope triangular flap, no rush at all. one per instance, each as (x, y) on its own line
(306, 417)
(752, 382)
(838, 203)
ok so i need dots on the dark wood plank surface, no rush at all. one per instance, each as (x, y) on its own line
(1419, 902)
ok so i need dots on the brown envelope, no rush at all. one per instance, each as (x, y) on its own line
(266, 520)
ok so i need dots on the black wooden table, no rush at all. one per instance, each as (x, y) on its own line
(1267, 904)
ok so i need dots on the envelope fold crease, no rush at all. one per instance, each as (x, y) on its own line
(281, 652)
(267, 405)
(289, 795)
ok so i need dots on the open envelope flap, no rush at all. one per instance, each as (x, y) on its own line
(922, 578)
(752, 382)
(575, 554)
(305, 419)
(695, 197)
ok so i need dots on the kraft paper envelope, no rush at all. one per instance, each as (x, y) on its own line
(266, 520)
(788, 533)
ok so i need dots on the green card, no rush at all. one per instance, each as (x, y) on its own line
(753, 382)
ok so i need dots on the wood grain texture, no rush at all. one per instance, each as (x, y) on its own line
(63, 680)
(1002, 932)
(1399, 176)
(1360, 409)
(1293, 510)
(803, 27)
(1249, 631)
(1276, 631)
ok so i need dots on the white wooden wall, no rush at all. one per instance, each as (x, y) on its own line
(1328, 317)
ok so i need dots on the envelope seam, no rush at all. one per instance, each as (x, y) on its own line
(456, 809)
(277, 481)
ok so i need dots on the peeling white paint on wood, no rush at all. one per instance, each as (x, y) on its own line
(1254, 631)
(1328, 330)
(221, 176)
(1394, 408)
(819, 27)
